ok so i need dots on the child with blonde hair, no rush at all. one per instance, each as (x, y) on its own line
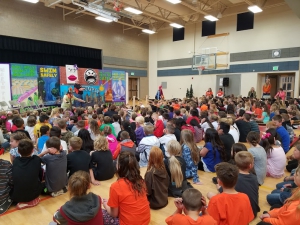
(190, 153)
(88, 204)
(176, 166)
(157, 179)
(139, 132)
(101, 161)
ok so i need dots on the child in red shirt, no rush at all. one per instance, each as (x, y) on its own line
(229, 207)
(159, 126)
(191, 203)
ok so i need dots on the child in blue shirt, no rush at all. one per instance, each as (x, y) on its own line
(45, 135)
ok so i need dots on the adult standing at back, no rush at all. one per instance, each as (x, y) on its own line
(252, 93)
(267, 89)
(78, 93)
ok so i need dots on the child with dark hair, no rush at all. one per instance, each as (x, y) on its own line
(164, 140)
(56, 168)
(238, 208)
(259, 154)
(56, 132)
(107, 122)
(87, 142)
(244, 126)
(15, 138)
(117, 123)
(65, 134)
(276, 160)
(88, 204)
(126, 144)
(128, 194)
(226, 138)
(45, 133)
(19, 123)
(43, 120)
(213, 151)
(285, 137)
(198, 135)
(26, 173)
(31, 121)
(126, 126)
(191, 204)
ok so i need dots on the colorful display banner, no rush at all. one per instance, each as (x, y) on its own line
(48, 84)
(105, 85)
(5, 90)
(118, 86)
(71, 74)
(24, 82)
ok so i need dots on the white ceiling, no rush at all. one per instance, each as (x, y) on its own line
(158, 14)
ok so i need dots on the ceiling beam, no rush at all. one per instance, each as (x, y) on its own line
(193, 8)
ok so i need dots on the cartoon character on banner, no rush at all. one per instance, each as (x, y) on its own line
(159, 95)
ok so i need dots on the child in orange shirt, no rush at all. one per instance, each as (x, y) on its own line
(191, 203)
(289, 213)
(257, 110)
(229, 207)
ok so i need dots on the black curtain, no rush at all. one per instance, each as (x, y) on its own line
(27, 51)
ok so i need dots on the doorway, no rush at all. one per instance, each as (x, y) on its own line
(286, 81)
(133, 88)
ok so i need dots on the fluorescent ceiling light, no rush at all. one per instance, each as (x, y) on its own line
(132, 10)
(255, 9)
(31, 1)
(174, 1)
(211, 18)
(103, 19)
(148, 31)
(176, 25)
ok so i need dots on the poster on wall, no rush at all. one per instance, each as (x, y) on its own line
(24, 85)
(71, 74)
(48, 84)
(105, 85)
(118, 86)
(5, 91)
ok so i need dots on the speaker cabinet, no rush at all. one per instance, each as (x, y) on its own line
(225, 81)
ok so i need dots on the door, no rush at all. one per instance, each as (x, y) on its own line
(133, 87)
(273, 82)
(287, 84)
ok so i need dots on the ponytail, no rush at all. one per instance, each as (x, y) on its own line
(176, 172)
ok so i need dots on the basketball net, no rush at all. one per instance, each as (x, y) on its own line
(200, 69)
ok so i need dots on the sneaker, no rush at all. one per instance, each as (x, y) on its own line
(214, 180)
(55, 194)
(24, 205)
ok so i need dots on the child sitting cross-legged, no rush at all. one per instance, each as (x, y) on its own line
(229, 207)
(191, 203)
(26, 173)
(289, 213)
(55, 160)
(88, 204)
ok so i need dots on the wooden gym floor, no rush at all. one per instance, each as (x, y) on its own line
(42, 213)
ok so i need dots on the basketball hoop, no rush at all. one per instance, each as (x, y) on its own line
(200, 69)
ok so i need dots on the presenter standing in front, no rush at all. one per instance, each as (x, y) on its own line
(267, 89)
(79, 92)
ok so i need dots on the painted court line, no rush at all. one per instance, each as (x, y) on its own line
(13, 210)
(265, 187)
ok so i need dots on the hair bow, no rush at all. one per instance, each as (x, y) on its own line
(267, 135)
(3, 117)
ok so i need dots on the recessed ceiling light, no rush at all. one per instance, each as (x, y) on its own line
(148, 31)
(174, 1)
(255, 9)
(31, 1)
(211, 18)
(103, 19)
(132, 10)
(176, 25)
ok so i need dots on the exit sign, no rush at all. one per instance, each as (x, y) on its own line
(132, 74)
(275, 68)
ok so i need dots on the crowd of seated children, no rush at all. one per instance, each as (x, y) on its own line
(157, 179)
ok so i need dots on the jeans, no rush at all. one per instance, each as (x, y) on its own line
(77, 103)
(5, 145)
(278, 197)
